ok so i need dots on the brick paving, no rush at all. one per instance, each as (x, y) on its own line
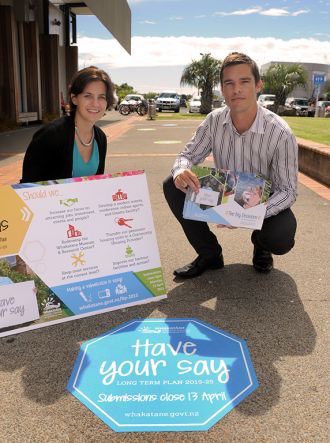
(11, 173)
(283, 317)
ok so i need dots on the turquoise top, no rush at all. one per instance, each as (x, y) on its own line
(81, 168)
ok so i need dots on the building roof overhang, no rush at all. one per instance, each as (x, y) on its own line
(115, 15)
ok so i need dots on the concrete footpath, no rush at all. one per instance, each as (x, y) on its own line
(283, 316)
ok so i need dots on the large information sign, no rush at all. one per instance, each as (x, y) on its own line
(319, 78)
(163, 375)
(74, 248)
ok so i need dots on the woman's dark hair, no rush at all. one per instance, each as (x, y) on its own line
(87, 75)
(238, 58)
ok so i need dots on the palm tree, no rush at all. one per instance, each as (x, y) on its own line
(204, 74)
(281, 79)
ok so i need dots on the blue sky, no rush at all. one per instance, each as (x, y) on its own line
(170, 33)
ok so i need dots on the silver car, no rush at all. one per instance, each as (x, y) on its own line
(300, 105)
(168, 101)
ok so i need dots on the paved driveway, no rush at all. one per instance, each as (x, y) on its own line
(283, 316)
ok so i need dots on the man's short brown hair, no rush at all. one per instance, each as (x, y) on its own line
(238, 58)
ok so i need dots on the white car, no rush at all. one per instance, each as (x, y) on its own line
(132, 99)
(195, 104)
(266, 100)
(323, 104)
(323, 108)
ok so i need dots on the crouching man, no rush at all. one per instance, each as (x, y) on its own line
(243, 136)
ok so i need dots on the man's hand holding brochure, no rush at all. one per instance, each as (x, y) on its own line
(228, 198)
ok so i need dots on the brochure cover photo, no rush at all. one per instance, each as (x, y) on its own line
(227, 197)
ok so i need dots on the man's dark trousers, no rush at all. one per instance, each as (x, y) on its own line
(276, 236)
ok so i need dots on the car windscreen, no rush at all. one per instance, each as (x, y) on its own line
(132, 97)
(167, 95)
(301, 102)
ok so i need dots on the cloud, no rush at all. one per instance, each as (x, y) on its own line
(176, 18)
(178, 51)
(301, 11)
(148, 22)
(240, 12)
(157, 63)
(272, 12)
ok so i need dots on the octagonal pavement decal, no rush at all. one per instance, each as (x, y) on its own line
(163, 375)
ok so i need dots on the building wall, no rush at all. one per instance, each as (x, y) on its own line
(31, 56)
(33, 68)
(21, 90)
(57, 27)
(49, 68)
(9, 91)
(37, 60)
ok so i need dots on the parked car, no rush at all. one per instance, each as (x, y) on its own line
(195, 104)
(132, 103)
(132, 99)
(322, 104)
(168, 100)
(300, 105)
(266, 100)
(322, 108)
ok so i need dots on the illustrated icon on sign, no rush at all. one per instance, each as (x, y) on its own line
(69, 201)
(105, 293)
(129, 251)
(72, 232)
(120, 289)
(77, 259)
(26, 213)
(49, 304)
(122, 221)
(86, 298)
(119, 195)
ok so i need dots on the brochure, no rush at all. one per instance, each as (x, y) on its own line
(227, 197)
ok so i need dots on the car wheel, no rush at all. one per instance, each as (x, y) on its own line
(177, 110)
(124, 109)
(141, 110)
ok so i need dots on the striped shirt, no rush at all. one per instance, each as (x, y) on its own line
(268, 147)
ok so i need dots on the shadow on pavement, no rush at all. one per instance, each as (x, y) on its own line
(46, 356)
(265, 310)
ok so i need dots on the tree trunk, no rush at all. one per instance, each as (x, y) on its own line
(206, 100)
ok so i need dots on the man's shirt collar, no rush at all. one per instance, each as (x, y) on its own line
(257, 126)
